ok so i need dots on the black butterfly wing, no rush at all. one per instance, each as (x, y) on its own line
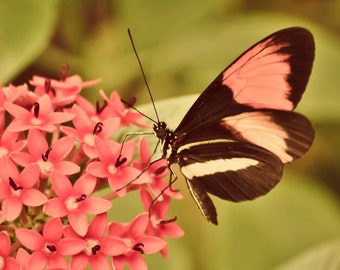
(241, 157)
(272, 74)
(232, 170)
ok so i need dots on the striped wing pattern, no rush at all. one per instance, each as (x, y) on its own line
(235, 139)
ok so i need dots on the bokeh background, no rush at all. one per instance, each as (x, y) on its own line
(183, 45)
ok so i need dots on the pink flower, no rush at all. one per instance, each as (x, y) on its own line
(159, 225)
(48, 158)
(115, 107)
(98, 245)
(155, 173)
(136, 243)
(9, 143)
(113, 164)
(6, 261)
(86, 130)
(11, 93)
(49, 248)
(41, 116)
(61, 92)
(17, 189)
(52, 172)
(76, 201)
(95, 113)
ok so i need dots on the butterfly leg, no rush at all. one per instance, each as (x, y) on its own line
(171, 181)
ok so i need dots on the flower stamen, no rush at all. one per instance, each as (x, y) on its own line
(36, 108)
(14, 185)
(166, 221)
(100, 109)
(64, 72)
(81, 198)
(160, 170)
(48, 87)
(119, 161)
(51, 248)
(139, 248)
(98, 128)
(44, 157)
(95, 249)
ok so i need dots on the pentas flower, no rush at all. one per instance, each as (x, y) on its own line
(64, 91)
(98, 245)
(49, 248)
(48, 158)
(154, 173)
(60, 172)
(9, 94)
(9, 143)
(115, 107)
(158, 224)
(137, 243)
(86, 130)
(112, 164)
(75, 201)
(40, 116)
(17, 189)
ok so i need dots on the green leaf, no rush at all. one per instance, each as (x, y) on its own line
(25, 29)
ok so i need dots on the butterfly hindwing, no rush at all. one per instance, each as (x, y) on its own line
(288, 135)
(228, 169)
(202, 200)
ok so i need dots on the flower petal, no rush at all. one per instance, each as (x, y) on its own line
(71, 246)
(33, 197)
(61, 184)
(11, 208)
(30, 239)
(55, 207)
(78, 222)
(53, 229)
(113, 246)
(95, 205)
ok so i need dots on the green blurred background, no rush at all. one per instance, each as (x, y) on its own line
(183, 45)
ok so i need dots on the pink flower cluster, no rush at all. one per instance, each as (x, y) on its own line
(56, 151)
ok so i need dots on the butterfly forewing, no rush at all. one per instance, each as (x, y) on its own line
(272, 74)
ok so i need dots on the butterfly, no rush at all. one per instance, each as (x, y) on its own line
(236, 138)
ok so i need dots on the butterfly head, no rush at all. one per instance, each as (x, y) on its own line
(161, 130)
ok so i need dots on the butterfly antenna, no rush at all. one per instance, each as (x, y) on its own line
(134, 108)
(144, 77)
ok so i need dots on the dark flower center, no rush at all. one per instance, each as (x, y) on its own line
(36, 108)
(120, 161)
(48, 87)
(98, 128)
(44, 157)
(139, 247)
(100, 109)
(95, 249)
(51, 248)
(81, 198)
(14, 185)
